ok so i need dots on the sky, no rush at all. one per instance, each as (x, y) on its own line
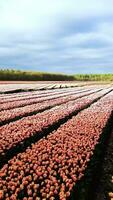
(63, 36)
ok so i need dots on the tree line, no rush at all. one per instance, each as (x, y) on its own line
(18, 75)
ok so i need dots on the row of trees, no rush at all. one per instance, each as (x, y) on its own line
(17, 75)
(93, 77)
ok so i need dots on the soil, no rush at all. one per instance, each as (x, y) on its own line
(105, 185)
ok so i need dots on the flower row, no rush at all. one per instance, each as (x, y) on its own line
(32, 100)
(53, 165)
(17, 132)
(28, 95)
(16, 113)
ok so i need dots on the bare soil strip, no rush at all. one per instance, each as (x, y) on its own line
(105, 185)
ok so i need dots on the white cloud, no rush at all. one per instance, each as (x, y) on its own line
(51, 33)
(39, 15)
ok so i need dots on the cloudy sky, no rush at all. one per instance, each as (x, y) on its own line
(68, 36)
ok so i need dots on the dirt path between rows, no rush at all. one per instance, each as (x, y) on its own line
(104, 185)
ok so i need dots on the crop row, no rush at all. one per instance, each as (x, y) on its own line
(20, 94)
(20, 103)
(25, 94)
(7, 116)
(30, 97)
(11, 88)
(33, 94)
(6, 89)
(37, 91)
(17, 134)
(52, 166)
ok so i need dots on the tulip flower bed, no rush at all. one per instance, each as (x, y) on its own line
(12, 87)
(20, 103)
(21, 94)
(7, 116)
(17, 135)
(31, 95)
(9, 97)
(8, 88)
(51, 167)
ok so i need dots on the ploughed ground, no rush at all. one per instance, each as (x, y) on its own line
(104, 187)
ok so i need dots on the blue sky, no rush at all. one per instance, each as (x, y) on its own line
(67, 36)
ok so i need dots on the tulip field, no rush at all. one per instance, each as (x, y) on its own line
(53, 141)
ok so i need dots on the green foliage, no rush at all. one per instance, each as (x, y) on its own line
(17, 75)
(93, 77)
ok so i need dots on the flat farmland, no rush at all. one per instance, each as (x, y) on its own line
(56, 141)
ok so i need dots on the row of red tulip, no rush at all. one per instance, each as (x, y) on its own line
(53, 165)
(21, 103)
(20, 94)
(29, 93)
(17, 132)
(9, 88)
(35, 94)
(9, 115)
